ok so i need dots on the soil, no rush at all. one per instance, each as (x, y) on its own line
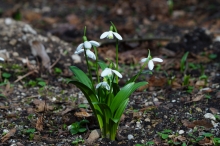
(37, 105)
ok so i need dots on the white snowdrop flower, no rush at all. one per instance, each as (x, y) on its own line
(2, 59)
(103, 84)
(90, 54)
(109, 71)
(151, 62)
(87, 45)
(110, 35)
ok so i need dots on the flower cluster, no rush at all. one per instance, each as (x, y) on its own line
(87, 45)
(107, 100)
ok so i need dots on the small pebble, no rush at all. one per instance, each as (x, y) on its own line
(8, 21)
(130, 136)
(210, 116)
(155, 99)
(13, 42)
(181, 132)
(173, 100)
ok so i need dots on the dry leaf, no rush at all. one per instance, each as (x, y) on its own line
(67, 110)
(197, 98)
(8, 135)
(205, 142)
(188, 124)
(203, 123)
(82, 114)
(39, 124)
(8, 90)
(180, 138)
(214, 110)
(40, 106)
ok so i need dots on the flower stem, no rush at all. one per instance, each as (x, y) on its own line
(142, 67)
(89, 70)
(117, 60)
(97, 69)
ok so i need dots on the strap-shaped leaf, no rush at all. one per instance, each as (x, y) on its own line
(119, 111)
(89, 94)
(81, 76)
(116, 88)
(124, 93)
(105, 109)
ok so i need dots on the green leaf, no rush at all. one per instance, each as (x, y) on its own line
(81, 76)
(89, 94)
(102, 65)
(120, 111)
(82, 129)
(42, 83)
(74, 131)
(105, 109)
(84, 121)
(6, 75)
(164, 136)
(124, 93)
(183, 61)
(116, 88)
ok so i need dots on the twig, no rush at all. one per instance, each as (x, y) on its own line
(29, 73)
(137, 40)
(54, 63)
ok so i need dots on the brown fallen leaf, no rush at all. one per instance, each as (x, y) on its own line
(203, 123)
(8, 135)
(188, 124)
(39, 124)
(82, 114)
(197, 98)
(205, 142)
(41, 106)
(68, 109)
(214, 110)
(8, 90)
(180, 138)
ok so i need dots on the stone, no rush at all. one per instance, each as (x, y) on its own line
(130, 136)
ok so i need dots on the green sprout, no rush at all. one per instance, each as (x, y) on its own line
(31, 133)
(186, 79)
(78, 127)
(77, 141)
(183, 62)
(57, 70)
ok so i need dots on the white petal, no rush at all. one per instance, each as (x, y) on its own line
(87, 45)
(150, 65)
(110, 35)
(117, 73)
(94, 43)
(2, 59)
(118, 36)
(90, 54)
(79, 51)
(104, 35)
(105, 84)
(79, 47)
(98, 85)
(106, 72)
(144, 60)
(157, 59)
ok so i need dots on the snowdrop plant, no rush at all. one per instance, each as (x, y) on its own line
(106, 99)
